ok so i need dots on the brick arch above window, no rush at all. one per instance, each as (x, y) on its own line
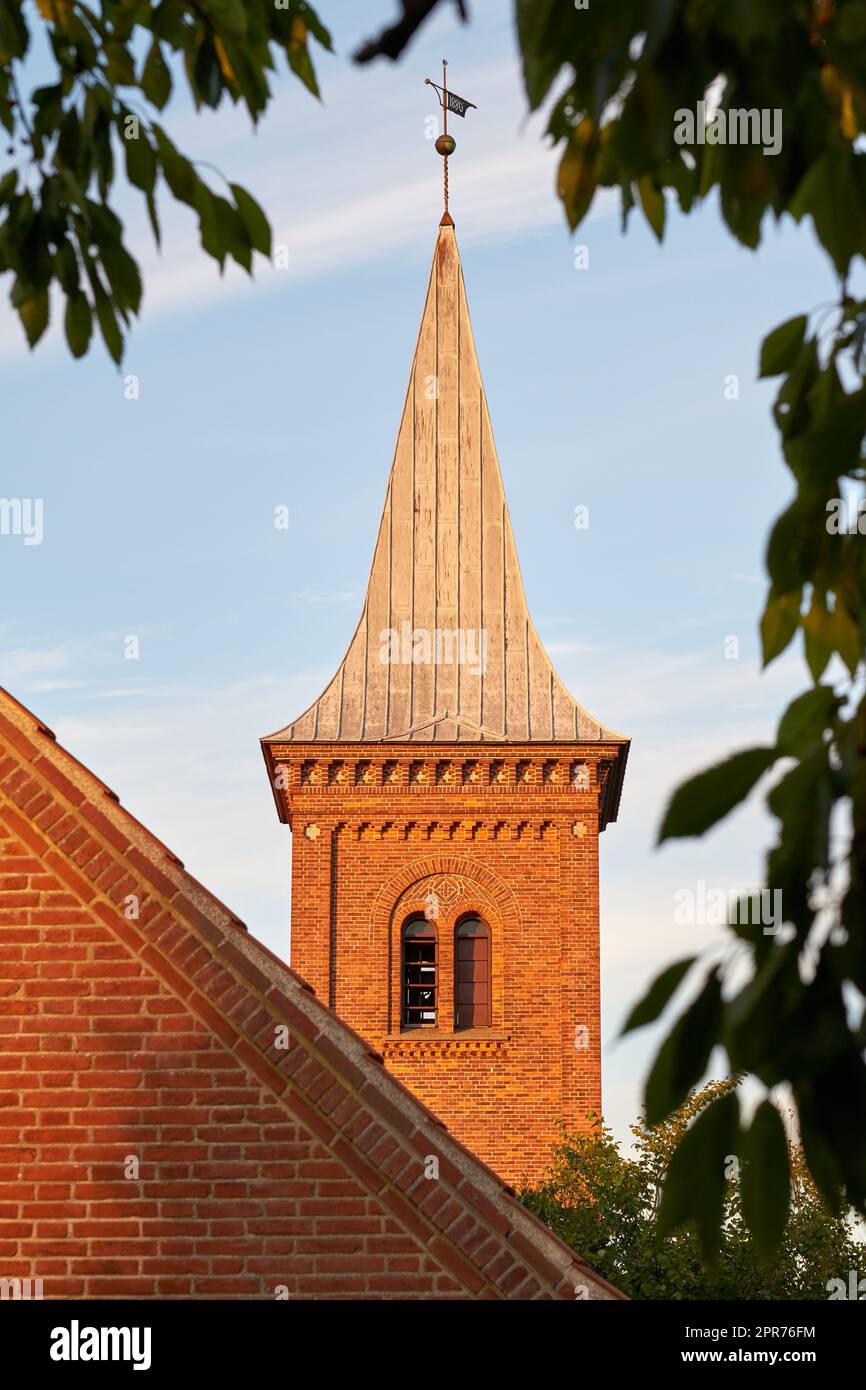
(466, 889)
(491, 885)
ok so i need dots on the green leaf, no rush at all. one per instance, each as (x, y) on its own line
(66, 265)
(79, 324)
(803, 801)
(653, 203)
(33, 313)
(817, 637)
(48, 102)
(658, 995)
(167, 21)
(817, 1146)
(179, 173)
(302, 65)
(101, 144)
(830, 193)
(234, 233)
(140, 160)
(206, 71)
(316, 27)
(685, 1053)
(248, 77)
(155, 77)
(70, 142)
(765, 1183)
(123, 275)
(108, 327)
(844, 633)
(541, 61)
(107, 226)
(14, 34)
(831, 440)
(805, 720)
(254, 220)
(576, 179)
(779, 622)
(211, 229)
(752, 1019)
(703, 800)
(780, 349)
(231, 16)
(792, 548)
(694, 1188)
(790, 409)
(154, 220)
(833, 1141)
(120, 69)
(676, 174)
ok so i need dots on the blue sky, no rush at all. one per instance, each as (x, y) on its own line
(606, 388)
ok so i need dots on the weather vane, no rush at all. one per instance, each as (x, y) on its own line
(446, 144)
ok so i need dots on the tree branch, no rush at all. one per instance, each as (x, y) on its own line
(391, 42)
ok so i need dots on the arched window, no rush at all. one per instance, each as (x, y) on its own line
(418, 977)
(472, 974)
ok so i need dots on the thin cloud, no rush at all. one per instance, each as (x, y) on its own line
(343, 218)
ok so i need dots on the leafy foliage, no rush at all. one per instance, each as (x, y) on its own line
(623, 76)
(612, 1209)
(620, 81)
(113, 71)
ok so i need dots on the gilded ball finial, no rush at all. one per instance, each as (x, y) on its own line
(446, 145)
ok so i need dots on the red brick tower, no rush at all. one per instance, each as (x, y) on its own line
(446, 794)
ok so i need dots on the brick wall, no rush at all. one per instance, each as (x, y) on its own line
(181, 1117)
(101, 1062)
(511, 836)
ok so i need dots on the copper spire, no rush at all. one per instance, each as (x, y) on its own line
(445, 571)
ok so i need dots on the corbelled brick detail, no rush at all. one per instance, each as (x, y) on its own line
(180, 1116)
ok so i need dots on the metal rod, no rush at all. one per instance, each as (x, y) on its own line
(445, 129)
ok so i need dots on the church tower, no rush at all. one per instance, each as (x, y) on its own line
(446, 794)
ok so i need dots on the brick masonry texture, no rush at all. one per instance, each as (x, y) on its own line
(181, 1116)
(508, 833)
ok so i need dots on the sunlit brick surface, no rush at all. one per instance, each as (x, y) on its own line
(502, 833)
(180, 1116)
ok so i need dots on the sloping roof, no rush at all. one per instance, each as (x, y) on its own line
(331, 1082)
(445, 562)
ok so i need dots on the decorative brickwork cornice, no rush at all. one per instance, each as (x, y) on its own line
(349, 781)
(425, 1045)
